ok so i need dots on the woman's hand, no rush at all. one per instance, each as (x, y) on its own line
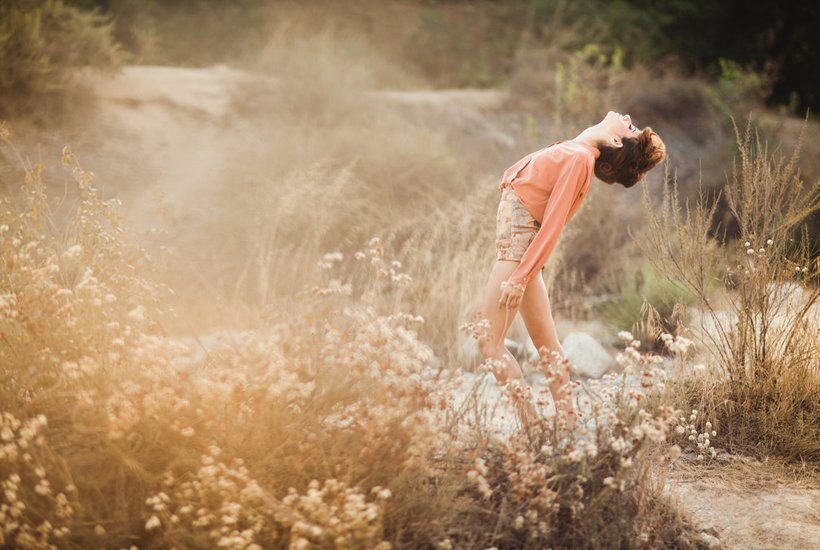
(511, 295)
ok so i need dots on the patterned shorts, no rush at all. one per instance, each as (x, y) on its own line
(515, 227)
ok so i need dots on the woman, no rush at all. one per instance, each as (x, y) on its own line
(540, 194)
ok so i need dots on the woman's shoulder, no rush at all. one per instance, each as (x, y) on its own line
(571, 147)
(567, 151)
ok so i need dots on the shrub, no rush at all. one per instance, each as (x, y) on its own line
(762, 382)
(41, 46)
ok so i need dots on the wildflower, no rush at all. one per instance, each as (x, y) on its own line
(769, 242)
(674, 452)
(73, 251)
(762, 250)
(750, 251)
(625, 335)
(68, 157)
(152, 523)
(747, 244)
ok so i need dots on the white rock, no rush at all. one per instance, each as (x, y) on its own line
(588, 356)
(709, 540)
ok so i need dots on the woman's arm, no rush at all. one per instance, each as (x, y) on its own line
(556, 213)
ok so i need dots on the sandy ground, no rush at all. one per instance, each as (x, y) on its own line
(748, 504)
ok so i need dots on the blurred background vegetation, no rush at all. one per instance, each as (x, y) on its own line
(452, 43)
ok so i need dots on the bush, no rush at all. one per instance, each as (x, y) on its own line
(762, 382)
(41, 46)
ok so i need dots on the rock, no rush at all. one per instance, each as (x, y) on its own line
(597, 329)
(708, 540)
(708, 529)
(589, 357)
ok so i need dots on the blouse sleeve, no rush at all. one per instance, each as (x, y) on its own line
(556, 213)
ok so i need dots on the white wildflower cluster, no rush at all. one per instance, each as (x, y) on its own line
(254, 364)
(336, 516)
(676, 344)
(224, 503)
(529, 472)
(750, 250)
(334, 286)
(476, 474)
(253, 371)
(329, 259)
(220, 500)
(75, 370)
(542, 473)
(9, 309)
(62, 299)
(477, 326)
(699, 441)
(641, 364)
(32, 514)
(387, 366)
(384, 269)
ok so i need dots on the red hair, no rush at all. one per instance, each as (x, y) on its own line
(627, 165)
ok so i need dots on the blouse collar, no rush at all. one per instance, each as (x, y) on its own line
(594, 150)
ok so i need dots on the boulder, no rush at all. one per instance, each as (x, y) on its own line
(589, 357)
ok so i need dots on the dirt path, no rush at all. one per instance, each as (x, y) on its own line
(747, 504)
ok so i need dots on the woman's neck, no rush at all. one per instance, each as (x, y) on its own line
(592, 136)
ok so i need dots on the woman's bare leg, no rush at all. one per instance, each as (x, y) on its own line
(537, 314)
(492, 345)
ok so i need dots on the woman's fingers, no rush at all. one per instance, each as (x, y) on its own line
(509, 300)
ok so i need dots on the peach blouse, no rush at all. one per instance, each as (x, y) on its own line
(550, 183)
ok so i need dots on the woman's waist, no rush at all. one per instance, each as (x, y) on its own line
(509, 194)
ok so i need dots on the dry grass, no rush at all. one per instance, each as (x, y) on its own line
(762, 384)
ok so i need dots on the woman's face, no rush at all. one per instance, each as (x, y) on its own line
(619, 126)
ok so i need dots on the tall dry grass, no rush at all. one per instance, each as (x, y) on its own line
(327, 428)
(762, 378)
